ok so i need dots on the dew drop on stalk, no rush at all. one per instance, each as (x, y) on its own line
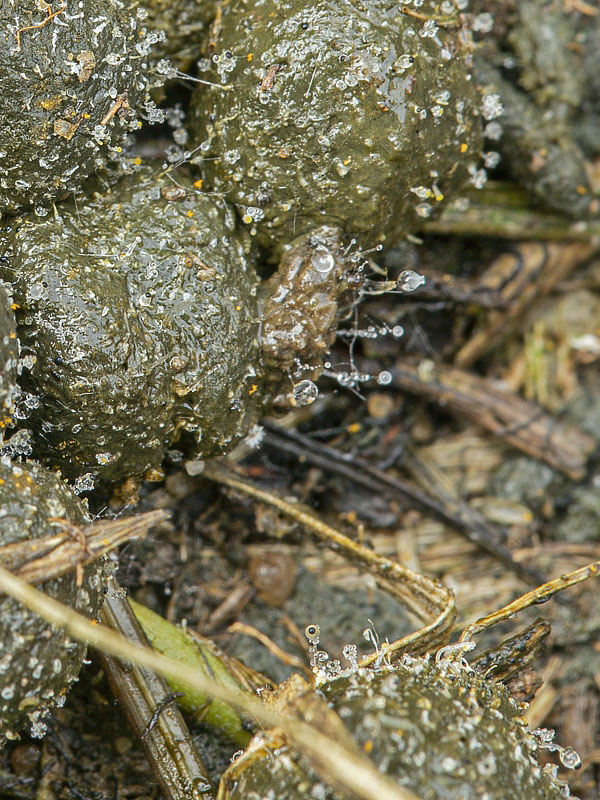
(409, 280)
(570, 758)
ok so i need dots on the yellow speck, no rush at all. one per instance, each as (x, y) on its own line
(189, 213)
(464, 147)
(119, 149)
(137, 161)
(12, 335)
(438, 196)
(247, 219)
(238, 308)
(368, 746)
(252, 389)
(14, 306)
(581, 189)
(86, 116)
(354, 427)
(198, 184)
(250, 56)
(347, 161)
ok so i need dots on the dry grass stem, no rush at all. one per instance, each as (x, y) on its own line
(330, 760)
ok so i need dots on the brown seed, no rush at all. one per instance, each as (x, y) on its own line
(273, 575)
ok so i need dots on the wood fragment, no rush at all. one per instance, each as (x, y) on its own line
(504, 210)
(522, 424)
(147, 702)
(37, 560)
(520, 278)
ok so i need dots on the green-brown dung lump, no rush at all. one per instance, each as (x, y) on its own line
(37, 662)
(349, 114)
(71, 77)
(9, 355)
(139, 306)
(439, 731)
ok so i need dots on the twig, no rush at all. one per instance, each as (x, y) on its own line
(330, 759)
(505, 211)
(364, 474)
(539, 595)
(144, 695)
(431, 602)
(272, 647)
(37, 560)
(522, 424)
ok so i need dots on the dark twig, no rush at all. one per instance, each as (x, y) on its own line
(362, 473)
(144, 695)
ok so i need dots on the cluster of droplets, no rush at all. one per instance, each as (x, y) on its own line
(19, 444)
(326, 669)
(224, 64)
(372, 332)
(569, 757)
(84, 483)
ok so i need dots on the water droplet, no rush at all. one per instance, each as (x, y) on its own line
(570, 758)
(304, 393)
(312, 633)
(384, 378)
(409, 280)
(322, 259)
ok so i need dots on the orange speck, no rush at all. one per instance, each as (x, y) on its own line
(189, 213)
(354, 427)
(250, 56)
(581, 189)
(368, 746)
(12, 335)
(464, 147)
(252, 389)
(198, 184)
(14, 306)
